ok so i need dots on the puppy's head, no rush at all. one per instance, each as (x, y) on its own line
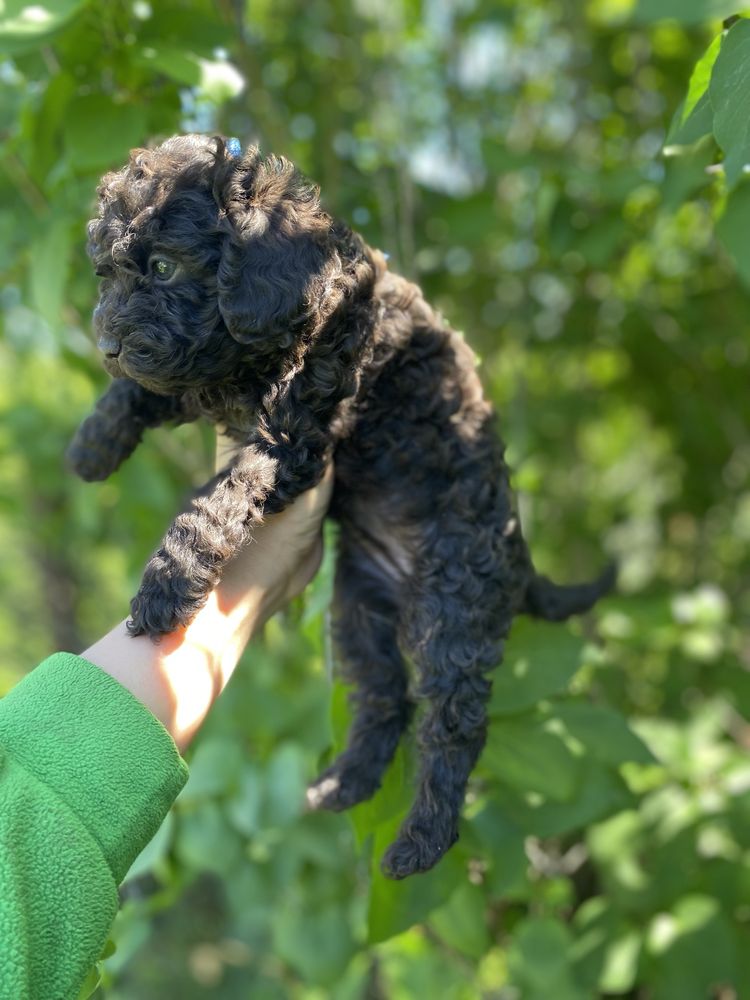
(209, 261)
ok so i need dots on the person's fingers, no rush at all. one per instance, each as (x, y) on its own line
(312, 503)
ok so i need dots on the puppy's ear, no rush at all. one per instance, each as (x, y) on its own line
(275, 244)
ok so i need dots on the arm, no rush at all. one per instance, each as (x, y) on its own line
(87, 775)
(287, 456)
(113, 431)
(179, 677)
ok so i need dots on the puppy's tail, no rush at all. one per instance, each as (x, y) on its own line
(555, 603)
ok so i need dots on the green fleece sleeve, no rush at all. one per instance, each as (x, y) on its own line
(87, 775)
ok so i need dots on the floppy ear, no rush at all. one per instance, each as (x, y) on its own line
(275, 244)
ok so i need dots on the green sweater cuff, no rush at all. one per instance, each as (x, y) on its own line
(103, 753)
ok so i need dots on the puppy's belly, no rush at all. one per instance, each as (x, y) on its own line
(389, 545)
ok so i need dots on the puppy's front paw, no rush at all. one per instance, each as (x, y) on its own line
(161, 605)
(93, 459)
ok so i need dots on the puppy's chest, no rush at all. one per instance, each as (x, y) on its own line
(235, 417)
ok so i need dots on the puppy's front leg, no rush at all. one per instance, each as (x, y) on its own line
(199, 543)
(113, 431)
(286, 456)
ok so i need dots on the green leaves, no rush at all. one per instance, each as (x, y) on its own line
(685, 11)
(729, 94)
(50, 255)
(99, 132)
(716, 104)
(217, 79)
(607, 948)
(691, 948)
(717, 99)
(694, 117)
(603, 842)
(315, 939)
(24, 25)
(603, 732)
(531, 758)
(540, 960)
(540, 660)
(461, 922)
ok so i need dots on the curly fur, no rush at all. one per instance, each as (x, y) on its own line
(284, 328)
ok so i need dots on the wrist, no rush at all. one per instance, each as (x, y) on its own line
(179, 677)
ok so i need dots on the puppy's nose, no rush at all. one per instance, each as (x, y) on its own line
(109, 345)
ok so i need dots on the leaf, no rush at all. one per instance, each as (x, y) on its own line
(215, 769)
(601, 239)
(154, 852)
(461, 922)
(600, 793)
(607, 947)
(315, 940)
(698, 123)
(686, 174)
(99, 132)
(540, 960)
(694, 117)
(685, 11)
(217, 79)
(733, 229)
(25, 25)
(396, 906)
(244, 807)
(48, 269)
(729, 91)
(691, 948)
(220, 81)
(90, 984)
(109, 949)
(531, 759)
(321, 838)
(44, 137)
(540, 660)
(184, 67)
(499, 843)
(621, 962)
(701, 76)
(391, 801)
(206, 842)
(285, 784)
(130, 932)
(604, 732)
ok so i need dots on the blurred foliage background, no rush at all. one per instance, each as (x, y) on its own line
(566, 181)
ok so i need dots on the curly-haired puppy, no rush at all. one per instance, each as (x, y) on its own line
(228, 293)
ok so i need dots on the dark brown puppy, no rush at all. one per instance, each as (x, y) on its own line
(228, 293)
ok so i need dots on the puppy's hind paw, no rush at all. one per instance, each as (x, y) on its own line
(415, 851)
(343, 785)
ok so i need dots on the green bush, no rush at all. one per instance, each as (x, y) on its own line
(568, 184)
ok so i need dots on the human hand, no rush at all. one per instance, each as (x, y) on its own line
(179, 677)
(285, 552)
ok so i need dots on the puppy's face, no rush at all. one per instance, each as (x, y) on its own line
(207, 262)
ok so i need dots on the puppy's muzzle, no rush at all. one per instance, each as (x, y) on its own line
(109, 346)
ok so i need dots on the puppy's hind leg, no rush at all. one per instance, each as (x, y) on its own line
(365, 633)
(454, 633)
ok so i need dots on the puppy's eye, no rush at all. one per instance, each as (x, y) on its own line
(162, 268)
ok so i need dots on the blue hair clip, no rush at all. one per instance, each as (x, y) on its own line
(233, 147)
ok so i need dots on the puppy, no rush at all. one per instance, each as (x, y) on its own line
(228, 293)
